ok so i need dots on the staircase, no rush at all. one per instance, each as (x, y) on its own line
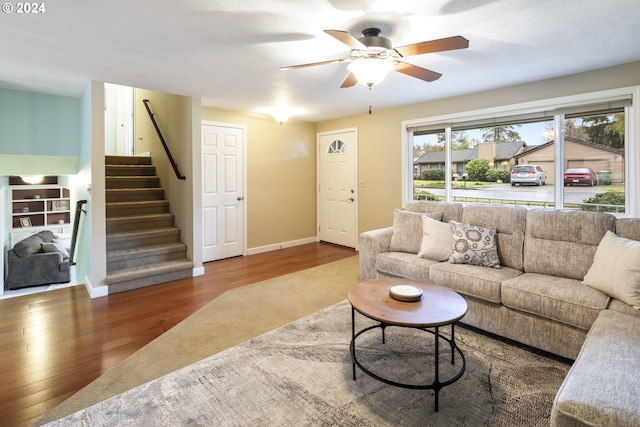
(143, 245)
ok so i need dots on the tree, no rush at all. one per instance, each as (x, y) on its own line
(477, 169)
(499, 134)
(419, 150)
(459, 140)
(605, 130)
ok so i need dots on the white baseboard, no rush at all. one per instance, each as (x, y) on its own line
(276, 246)
(197, 271)
(100, 291)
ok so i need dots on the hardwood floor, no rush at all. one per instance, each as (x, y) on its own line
(54, 343)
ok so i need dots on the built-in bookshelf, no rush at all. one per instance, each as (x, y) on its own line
(39, 207)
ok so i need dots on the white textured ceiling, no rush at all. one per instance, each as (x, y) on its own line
(228, 52)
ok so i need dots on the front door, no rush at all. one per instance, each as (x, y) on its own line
(337, 177)
(223, 206)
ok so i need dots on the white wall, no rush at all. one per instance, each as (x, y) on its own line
(90, 183)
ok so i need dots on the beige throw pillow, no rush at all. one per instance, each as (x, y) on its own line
(616, 269)
(436, 240)
(407, 230)
(474, 245)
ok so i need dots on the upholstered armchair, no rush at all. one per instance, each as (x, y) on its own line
(36, 261)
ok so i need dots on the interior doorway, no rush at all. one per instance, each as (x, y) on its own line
(337, 189)
(223, 190)
(118, 120)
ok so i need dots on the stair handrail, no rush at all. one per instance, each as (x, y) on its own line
(174, 165)
(76, 223)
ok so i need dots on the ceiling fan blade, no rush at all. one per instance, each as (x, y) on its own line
(313, 64)
(347, 39)
(417, 72)
(448, 43)
(349, 81)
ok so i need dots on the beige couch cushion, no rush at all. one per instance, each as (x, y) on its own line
(628, 227)
(563, 243)
(509, 222)
(557, 298)
(479, 282)
(622, 307)
(407, 230)
(402, 264)
(616, 269)
(601, 388)
(450, 211)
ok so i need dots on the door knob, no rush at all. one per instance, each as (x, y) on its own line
(240, 198)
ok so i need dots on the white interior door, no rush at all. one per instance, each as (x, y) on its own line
(223, 189)
(337, 177)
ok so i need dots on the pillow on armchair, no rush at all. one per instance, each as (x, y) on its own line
(28, 246)
(55, 247)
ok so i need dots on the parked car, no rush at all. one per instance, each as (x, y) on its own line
(580, 176)
(528, 174)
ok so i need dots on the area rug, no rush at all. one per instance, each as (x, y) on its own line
(301, 375)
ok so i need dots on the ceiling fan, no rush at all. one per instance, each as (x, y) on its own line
(373, 56)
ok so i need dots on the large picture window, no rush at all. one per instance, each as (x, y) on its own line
(564, 157)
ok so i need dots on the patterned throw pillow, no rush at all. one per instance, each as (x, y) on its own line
(474, 245)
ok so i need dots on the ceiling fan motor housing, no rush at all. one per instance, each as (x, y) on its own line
(374, 42)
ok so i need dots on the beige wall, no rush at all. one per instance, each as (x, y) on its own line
(380, 134)
(281, 177)
(175, 117)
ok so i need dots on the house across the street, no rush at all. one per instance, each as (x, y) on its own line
(578, 153)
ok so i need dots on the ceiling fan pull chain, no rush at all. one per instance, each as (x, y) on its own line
(370, 100)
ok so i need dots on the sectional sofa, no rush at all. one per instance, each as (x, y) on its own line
(566, 282)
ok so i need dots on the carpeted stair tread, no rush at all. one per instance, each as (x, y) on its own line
(142, 251)
(134, 194)
(139, 218)
(134, 204)
(130, 170)
(137, 238)
(127, 160)
(122, 182)
(129, 208)
(148, 271)
(141, 234)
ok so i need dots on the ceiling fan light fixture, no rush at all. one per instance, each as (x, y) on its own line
(371, 71)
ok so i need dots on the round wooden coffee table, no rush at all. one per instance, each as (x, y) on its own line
(438, 306)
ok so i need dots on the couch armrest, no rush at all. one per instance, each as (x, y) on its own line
(371, 244)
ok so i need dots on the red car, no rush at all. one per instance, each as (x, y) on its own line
(580, 176)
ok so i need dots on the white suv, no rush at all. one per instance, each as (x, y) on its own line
(528, 174)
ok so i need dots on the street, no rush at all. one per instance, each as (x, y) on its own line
(573, 194)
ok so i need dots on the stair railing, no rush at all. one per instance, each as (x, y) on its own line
(174, 165)
(76, 223)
